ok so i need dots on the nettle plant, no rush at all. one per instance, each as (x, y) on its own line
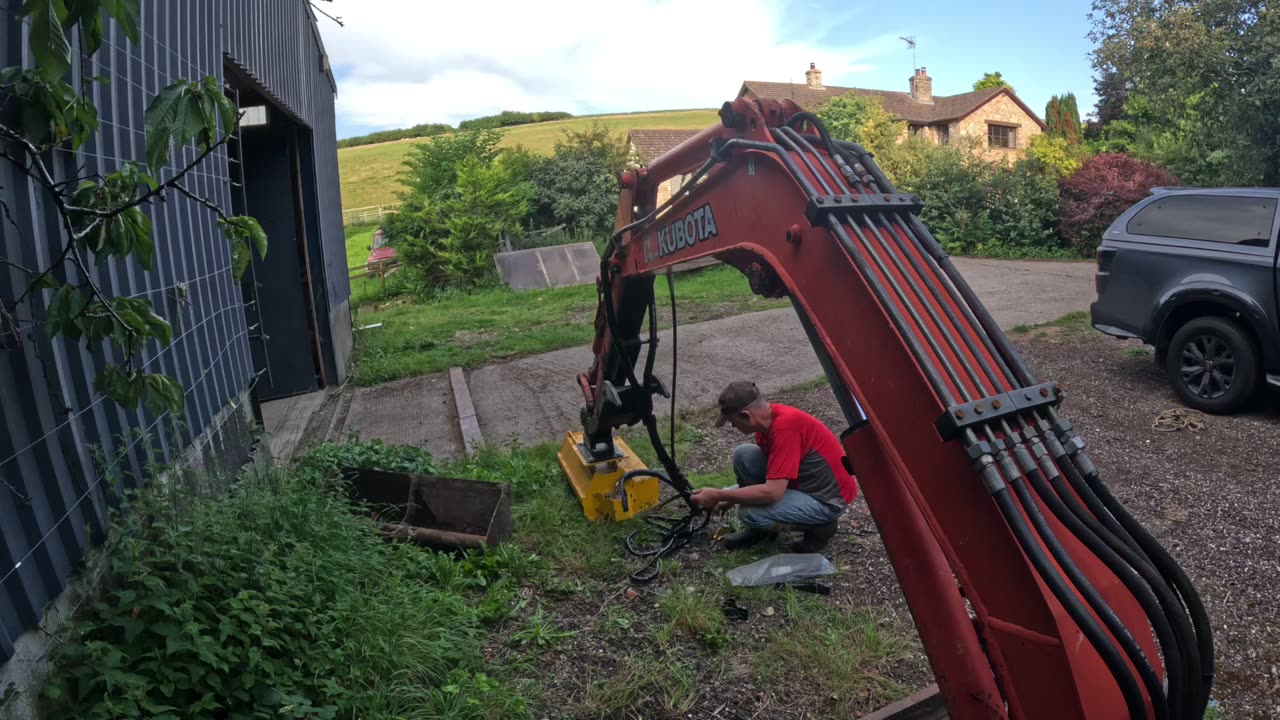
(101, 216)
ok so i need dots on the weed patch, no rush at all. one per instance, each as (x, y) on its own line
(846, 654)
(277, 600)
(664, 687)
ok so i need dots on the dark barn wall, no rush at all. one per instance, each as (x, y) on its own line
(64, 450)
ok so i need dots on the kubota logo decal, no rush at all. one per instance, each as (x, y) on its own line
(689, 230)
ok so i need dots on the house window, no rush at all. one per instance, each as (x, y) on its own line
(1002, 136)
(944, 134)
(916, 130)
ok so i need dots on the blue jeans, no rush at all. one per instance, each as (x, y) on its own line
(795, 507)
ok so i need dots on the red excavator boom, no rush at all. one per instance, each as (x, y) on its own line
(1034, 593)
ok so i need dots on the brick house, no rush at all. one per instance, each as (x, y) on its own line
(648, 145)
(996, 116)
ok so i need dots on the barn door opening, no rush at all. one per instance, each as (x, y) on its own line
(268, 159)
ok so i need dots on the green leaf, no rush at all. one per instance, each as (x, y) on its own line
(160, 123)
(189, 121)
(47, 38)
(127, 14)
(229, 112)
(46, 282)
(257, 236)
(141, 236)
(240, 257)
(91, 25)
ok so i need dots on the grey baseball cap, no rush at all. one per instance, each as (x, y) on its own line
(735, 398)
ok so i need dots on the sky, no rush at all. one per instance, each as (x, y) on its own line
(403, 62)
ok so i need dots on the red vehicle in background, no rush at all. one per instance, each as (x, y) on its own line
(379, 251)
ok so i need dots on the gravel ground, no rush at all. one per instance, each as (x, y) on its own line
(1211, 497)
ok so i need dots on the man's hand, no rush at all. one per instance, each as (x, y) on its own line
(706, 498)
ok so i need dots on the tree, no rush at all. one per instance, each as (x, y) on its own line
(861, 119)
(1192, 83)
(1063, 118)
(101, 216)
(455, 238)
(431, 170)
(1103, 188)
(991, 80)
(1054, 155)
(578, 186)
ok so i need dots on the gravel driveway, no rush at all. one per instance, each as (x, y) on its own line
(1212, 498)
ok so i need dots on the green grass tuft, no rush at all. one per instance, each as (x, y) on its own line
(640, 687)
(846, 655)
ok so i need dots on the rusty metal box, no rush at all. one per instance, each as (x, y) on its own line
(438, 512)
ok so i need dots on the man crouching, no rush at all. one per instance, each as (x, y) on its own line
(793, 476)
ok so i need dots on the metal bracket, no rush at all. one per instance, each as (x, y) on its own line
(823, 205)
(959, 418)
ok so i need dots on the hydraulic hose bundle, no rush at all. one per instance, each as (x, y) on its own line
(1022, 456)
(1029, 459)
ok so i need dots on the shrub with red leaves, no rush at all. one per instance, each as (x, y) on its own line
(1104, 187)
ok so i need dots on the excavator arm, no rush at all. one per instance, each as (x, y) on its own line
(1035, 594)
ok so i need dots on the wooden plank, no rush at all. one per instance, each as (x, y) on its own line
(927, 704)
(472, 439)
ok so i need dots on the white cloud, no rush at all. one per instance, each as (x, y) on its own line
(402, 62)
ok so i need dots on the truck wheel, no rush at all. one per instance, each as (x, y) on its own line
(1213, 365)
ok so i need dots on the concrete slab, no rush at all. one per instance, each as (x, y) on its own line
(535, 399)
(416, 411)
(286, 420)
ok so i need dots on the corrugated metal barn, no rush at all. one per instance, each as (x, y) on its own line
(65, 451)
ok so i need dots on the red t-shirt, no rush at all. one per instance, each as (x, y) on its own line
(802, 451)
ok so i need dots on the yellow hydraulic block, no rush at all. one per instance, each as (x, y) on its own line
(596, 483)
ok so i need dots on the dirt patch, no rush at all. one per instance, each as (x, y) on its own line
(474, 338)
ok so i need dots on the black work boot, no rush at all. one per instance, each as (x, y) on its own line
(815, 538)
(747, 537)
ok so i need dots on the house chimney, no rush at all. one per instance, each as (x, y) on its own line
(813, 76)
(922, 87)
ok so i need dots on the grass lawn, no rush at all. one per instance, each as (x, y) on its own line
(369, 172)
(501, 324)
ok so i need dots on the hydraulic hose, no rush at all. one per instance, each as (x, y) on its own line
(1172, 627)
(1071, 603)
(1174, 573)
(883, 223)
(1121, 634)
(1162, 570)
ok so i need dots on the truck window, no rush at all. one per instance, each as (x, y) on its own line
(1212, 218)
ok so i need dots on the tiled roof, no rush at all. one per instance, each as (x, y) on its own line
(943, 108)
(650, 144)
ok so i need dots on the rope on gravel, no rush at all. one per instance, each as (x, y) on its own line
(1176, 419)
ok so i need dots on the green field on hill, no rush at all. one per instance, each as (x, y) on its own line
(369, 172)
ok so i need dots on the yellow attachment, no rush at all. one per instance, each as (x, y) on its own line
(596, 483)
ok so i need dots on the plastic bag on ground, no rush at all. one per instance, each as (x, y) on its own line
(780, 569)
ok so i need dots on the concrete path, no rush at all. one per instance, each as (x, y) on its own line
(414, 411)
(285, 421)
(535, 399)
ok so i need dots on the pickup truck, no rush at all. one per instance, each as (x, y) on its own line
(1193, 273)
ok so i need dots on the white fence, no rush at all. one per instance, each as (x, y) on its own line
(371, 214)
